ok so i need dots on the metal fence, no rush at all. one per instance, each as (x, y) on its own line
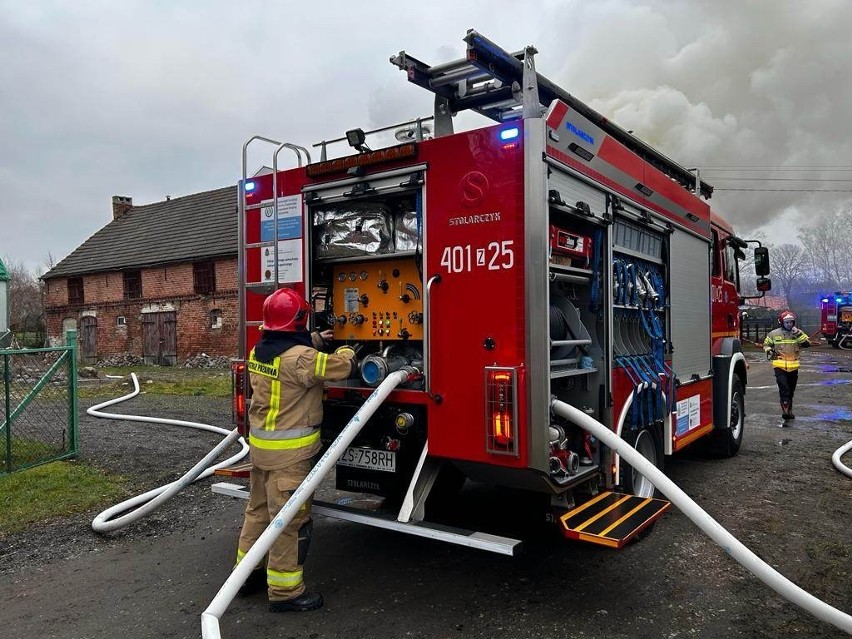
(755, 330)
(38, 405)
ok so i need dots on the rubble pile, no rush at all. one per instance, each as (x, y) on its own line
(203, 360)
(122, 359)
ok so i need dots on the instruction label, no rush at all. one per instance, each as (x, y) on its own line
(289, 262)
(688, 414)
(289, 219)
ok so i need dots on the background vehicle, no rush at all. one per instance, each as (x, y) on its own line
(836, 319)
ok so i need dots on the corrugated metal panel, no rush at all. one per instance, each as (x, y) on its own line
(572, 190)
(690, 305)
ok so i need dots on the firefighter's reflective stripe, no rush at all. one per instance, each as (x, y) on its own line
(786, 347)
(283, 439)
(787, 365)
(289, 580)
(274, 405)
(319, 368)
(267, 369)
(240, 555)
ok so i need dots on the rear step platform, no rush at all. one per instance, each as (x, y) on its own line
(612, 519)
(238, 470)
(462, 537)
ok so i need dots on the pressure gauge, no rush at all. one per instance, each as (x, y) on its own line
(363, 275)
(353, 276)
(341, 277)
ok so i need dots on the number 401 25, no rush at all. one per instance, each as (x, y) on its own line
(496, 256)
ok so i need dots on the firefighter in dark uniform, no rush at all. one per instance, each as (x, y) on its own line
(287, 372)
(782, 347)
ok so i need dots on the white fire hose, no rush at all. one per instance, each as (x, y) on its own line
(730, 544)
(835, 459)
(210, 617)
(154, 498)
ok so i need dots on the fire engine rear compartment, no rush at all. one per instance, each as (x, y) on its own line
(591, 248)
(512, 264)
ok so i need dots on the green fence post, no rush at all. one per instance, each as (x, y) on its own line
(71, 343)
(7, 379)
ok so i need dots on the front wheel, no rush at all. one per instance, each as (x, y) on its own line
(726, 442)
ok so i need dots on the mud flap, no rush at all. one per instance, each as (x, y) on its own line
(612, 519)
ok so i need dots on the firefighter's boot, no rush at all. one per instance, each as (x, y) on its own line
(255, 582)
(304, 602)
(790, 414)
(785, 410)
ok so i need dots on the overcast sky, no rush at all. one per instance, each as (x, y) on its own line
(155, 98)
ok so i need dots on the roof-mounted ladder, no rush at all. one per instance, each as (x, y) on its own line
(496, 83)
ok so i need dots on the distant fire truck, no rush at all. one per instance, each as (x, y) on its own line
(551, 254)
(836, 319)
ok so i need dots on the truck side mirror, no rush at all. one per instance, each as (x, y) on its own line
(764, 284)
(761, 261)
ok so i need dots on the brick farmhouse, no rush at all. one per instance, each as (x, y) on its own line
(159, 282)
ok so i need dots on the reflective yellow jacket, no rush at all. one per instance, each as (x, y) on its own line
(787, 346)
(286, 404)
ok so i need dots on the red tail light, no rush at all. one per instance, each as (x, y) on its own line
(238, 394)
(501, 406)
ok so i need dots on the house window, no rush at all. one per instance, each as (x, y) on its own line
(204, 277)
(132, 285)
(75, 290)
(215, 318)
(121, 321)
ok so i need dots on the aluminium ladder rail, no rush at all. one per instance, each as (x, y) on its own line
(490, 80)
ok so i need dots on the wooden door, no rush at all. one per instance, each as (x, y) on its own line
(159, 338)
(88, 339)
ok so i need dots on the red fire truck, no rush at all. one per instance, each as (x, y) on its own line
(836, 319)
(550, 254)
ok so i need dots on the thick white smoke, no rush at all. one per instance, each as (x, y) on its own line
(726, 84)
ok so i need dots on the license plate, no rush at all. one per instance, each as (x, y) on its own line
(369, 459)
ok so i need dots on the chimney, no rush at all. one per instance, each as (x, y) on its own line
(121, 204)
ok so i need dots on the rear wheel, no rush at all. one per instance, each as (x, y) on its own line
(646, 441)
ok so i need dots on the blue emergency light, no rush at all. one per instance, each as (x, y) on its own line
(250, 186)
(509, 134)
(825, 300)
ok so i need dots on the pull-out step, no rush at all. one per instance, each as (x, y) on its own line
(459, 536)
(612, 519)
(238, 470)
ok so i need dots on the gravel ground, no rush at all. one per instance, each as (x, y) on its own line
(149, 455)
(780, 496)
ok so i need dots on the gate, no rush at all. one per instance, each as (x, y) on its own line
(88, 339)
(38, 405)
(755, 330)
(159, 338)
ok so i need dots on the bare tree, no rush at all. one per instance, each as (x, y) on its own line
(789, 266)
(26, 309)
(826, 245)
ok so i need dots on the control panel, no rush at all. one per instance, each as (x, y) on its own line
(377, 301)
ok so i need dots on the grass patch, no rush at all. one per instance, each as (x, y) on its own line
(157, 380)
(26, 452)
(53, 490)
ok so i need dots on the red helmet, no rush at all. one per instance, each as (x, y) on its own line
(786, 315)
(285, 310)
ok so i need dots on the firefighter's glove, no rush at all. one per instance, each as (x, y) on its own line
(348, 351)
(771, 354)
